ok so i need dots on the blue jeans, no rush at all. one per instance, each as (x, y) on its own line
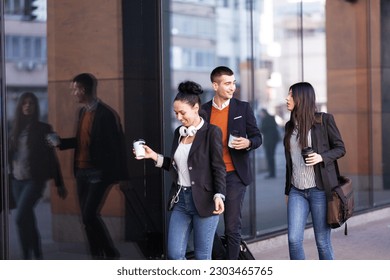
(184, 219)
(300, 204)
(26, 194)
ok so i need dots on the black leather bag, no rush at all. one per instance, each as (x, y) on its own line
(341, 203)
(340, 199)
(219, 249)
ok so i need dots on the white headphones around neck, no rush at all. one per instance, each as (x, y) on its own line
(187, 131)
(191, 130)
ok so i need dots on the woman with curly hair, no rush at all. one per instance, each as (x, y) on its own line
(198, 188)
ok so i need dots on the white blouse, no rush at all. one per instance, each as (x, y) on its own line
(181, 159)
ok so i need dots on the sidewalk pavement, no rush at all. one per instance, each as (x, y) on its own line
(368, 239)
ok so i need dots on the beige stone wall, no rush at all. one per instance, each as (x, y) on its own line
(354, 88)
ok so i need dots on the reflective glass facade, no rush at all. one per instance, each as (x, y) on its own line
(269, 45)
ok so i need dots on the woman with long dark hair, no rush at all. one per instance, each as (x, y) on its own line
(307, 180)
(32, 163)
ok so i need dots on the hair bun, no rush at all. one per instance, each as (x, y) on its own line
(190, 87)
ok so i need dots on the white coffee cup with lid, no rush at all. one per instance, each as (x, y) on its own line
(53, 139)
(139, 149)
(233, 136)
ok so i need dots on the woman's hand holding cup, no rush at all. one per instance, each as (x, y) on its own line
(142, 151)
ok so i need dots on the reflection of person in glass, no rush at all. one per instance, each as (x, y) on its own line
(271, 137)
(99, 161)
(231, 114)
(199, 176)
(306, 181)
(33, 162)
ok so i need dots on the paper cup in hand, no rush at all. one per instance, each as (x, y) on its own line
(306, 152)
(233, 136)
(139, 149)
(53, 139)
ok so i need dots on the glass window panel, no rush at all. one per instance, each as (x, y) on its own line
(16, 47)
(22, 76)
(270, 45)
(8, 48)
(14, 7)
(38, 49)
(27, 48)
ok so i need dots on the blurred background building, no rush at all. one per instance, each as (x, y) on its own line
(25, 51)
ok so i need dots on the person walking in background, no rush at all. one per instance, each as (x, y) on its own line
(306, 180)
(271, 138)
(198, 171)
(232, 116)
(99, 161)
(32, 163)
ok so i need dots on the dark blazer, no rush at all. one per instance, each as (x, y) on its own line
(326, 141)
(242, 119)
(42, 158)
(205, 166)
(107, 146)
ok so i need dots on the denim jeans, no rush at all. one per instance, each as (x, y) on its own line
(183, 221)
(300, 204)
(26, 194)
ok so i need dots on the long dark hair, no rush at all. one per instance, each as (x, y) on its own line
(302, 116)
(21, 120)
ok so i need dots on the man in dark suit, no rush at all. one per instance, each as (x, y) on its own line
(233, 117)
(99, 161)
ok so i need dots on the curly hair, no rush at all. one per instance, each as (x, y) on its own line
(189, 92)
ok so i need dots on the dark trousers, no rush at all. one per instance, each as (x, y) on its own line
(270, 156)
(92, 192)
(235, 192)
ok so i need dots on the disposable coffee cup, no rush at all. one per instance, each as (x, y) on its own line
(53, 139)
(233, 136)
(139, 149)
(306, 152)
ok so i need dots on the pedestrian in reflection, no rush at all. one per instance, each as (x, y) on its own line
(199, 176)
(99, 161)
(32, 163)
(306, 180)
(271, 137)
(232, 116)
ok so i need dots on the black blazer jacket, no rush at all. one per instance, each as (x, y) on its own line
(242, 119)
(205, 166)
(326, 141)
(107, 146)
